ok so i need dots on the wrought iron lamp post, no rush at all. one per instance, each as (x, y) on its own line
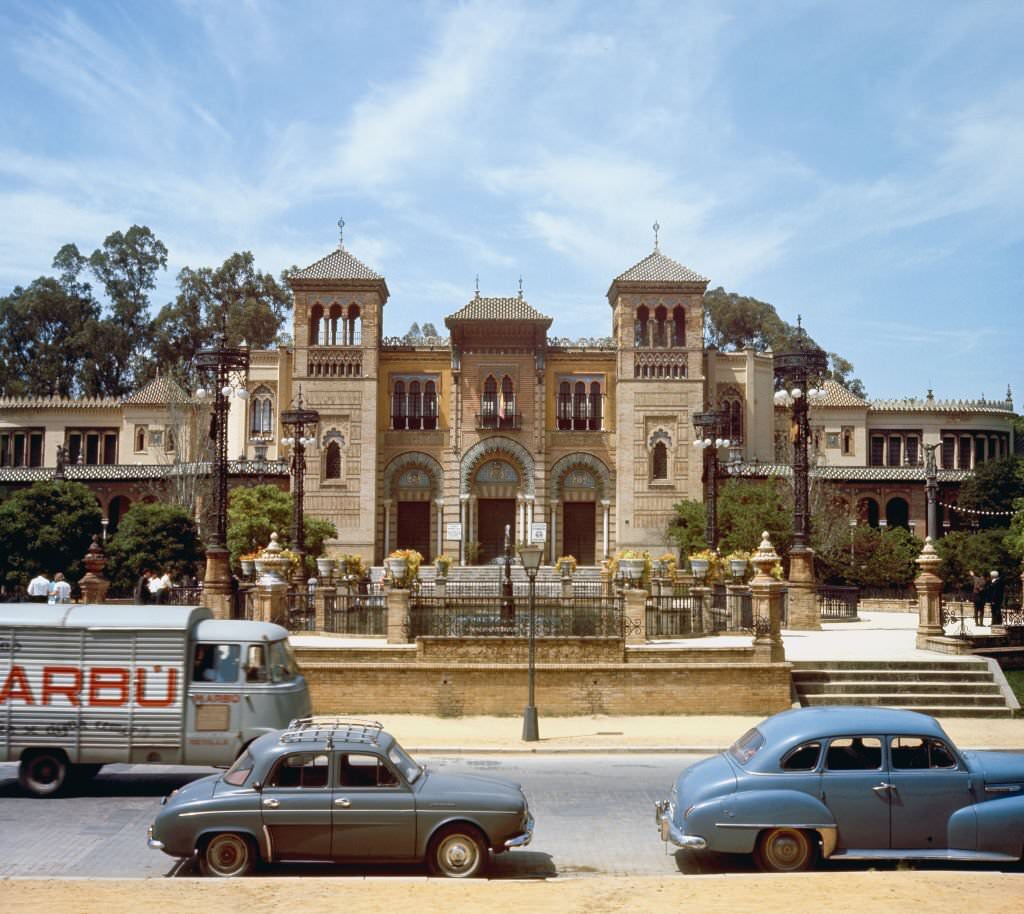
(530, 555)
(299, 421)
(796, 374)
(226, 369)
(709, 426)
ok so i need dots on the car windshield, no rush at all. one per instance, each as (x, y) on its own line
(239, 772)
(283, 666)
(404, 763)
(745, 748)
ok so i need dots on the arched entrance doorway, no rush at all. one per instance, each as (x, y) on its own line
(411, 482)
(116, 510)
(578, 487)
(897, 513)
(495, 485)
(867, 512)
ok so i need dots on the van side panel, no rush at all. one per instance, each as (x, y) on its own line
(102, 695)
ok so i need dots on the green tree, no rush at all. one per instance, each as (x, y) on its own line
(251, 306)
(686, 529)
(255, 512)
(734, 321)
(1014, 540)
(158, 536)
(995, 486)
(748, 507)
(47, 528)
(963, 551)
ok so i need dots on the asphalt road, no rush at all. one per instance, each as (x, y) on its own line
(594, 815)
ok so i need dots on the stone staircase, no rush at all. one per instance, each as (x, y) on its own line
(943, 688)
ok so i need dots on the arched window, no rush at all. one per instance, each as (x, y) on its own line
(398, 406)
(489, 404)
(640, 328)
(595, 406)
(579, 406)
(659, 461)
(353, 326)
(261, 412)
(430, 405)
(507, 406)
(332, 461)
(415, 405)
(565, 406)
(678, 326)
(316, 325)
(140, 437)
(661, 327)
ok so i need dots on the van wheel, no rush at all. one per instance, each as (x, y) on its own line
(43, 772)
(457, 851)
(227, 854)
(785, 850)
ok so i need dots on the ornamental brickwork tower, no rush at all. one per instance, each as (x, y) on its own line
(438, 443)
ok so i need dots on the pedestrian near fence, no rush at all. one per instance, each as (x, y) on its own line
(996, 590)
(979, 596)
(39, 588)
(60, 590)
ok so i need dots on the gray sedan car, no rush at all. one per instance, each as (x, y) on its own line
(339, 790)
(849, 783)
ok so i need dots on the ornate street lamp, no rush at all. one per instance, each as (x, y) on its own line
(530, 556)
(796, 375)
(299, 421)
(226, 369)
(709, 426)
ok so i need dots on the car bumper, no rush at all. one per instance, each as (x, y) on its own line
(525, 838)
(664, 813)
(152, 842)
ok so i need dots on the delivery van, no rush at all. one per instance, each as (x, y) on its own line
(82, 686)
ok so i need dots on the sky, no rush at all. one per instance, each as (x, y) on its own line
(859, 164)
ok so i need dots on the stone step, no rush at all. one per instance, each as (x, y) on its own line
(866, 675)
(923, 665)
(898, 687)
(942, 710)
(902, 700)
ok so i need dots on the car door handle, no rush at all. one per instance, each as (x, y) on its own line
(884, 786)
(271, 803)
(343, 802)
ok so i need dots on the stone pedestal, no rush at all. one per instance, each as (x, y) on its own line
(766, 604)
(567, 588)
(702, 608)
(929, 596)
(324, 595)
(397, 602)
(606, 578)
(217, 582)
(271, 602)
(636, 615)
(94, 586)
(803, 602)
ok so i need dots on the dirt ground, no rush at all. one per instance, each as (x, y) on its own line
(874, 891)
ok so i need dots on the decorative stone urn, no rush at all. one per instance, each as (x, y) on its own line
(632, 569)
(326, 566)
(399, 569)
(273, 566)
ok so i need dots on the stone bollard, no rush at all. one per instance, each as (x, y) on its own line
(635, 601)
(272, 603)
(929, 596)
(397, 602)
(568, 588)
(326, 595)
(94, 586)
(803, 600)
(766, 600)
(702, 609)
(606, 578)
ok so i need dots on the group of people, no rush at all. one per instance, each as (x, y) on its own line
(152, 587)
(990, 592)
(42, 590)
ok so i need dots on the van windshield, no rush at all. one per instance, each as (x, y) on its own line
(283, 667)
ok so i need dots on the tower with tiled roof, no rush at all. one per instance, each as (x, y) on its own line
(658, 329)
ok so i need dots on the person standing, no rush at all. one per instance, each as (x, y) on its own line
(141, 592)
(978, 596)
(60, 590)
(39, 588)
(996, 590)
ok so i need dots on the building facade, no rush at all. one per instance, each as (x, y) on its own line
(441, 443)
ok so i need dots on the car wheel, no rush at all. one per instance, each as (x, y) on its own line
(457, 851)
(227, 854)
(43, 772)
(785, 850)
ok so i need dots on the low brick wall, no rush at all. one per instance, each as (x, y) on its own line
(457, 689)
(887, 606)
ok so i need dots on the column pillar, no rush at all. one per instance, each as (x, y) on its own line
(439, 504)
(803, 602)
(464, 520)
(766, 604)
(929, 595)
(606, 507)
(636, 615)
(397, 602)
(517, 534)
(530, 502)
(554, 530)
(387, 528)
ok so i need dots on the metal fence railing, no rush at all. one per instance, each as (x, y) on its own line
(301, 611)
(837, 604)
(457, 617)
(669, 616)
(355, 614)
(888, 593)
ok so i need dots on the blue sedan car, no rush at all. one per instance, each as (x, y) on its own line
(849, 783)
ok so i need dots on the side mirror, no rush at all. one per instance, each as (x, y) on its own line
(257, 786)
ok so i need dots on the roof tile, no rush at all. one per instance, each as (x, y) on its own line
(497, 309)
(339, 264)
(656, 267)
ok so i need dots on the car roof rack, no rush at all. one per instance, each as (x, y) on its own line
(331, 729)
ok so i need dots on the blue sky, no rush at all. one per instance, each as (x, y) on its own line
(861, 164)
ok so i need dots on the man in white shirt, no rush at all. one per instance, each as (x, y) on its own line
(39, 588)
(60, 590)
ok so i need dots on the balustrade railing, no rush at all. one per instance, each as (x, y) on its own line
(494, 616)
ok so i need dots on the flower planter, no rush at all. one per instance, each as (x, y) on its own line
(632, 569)
(699, 567)
(399, 571)
(248, 567)
(325, 567)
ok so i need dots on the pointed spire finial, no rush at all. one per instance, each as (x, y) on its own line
(477, 286)
(520, 287)
(657, 228)
(341, 233)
